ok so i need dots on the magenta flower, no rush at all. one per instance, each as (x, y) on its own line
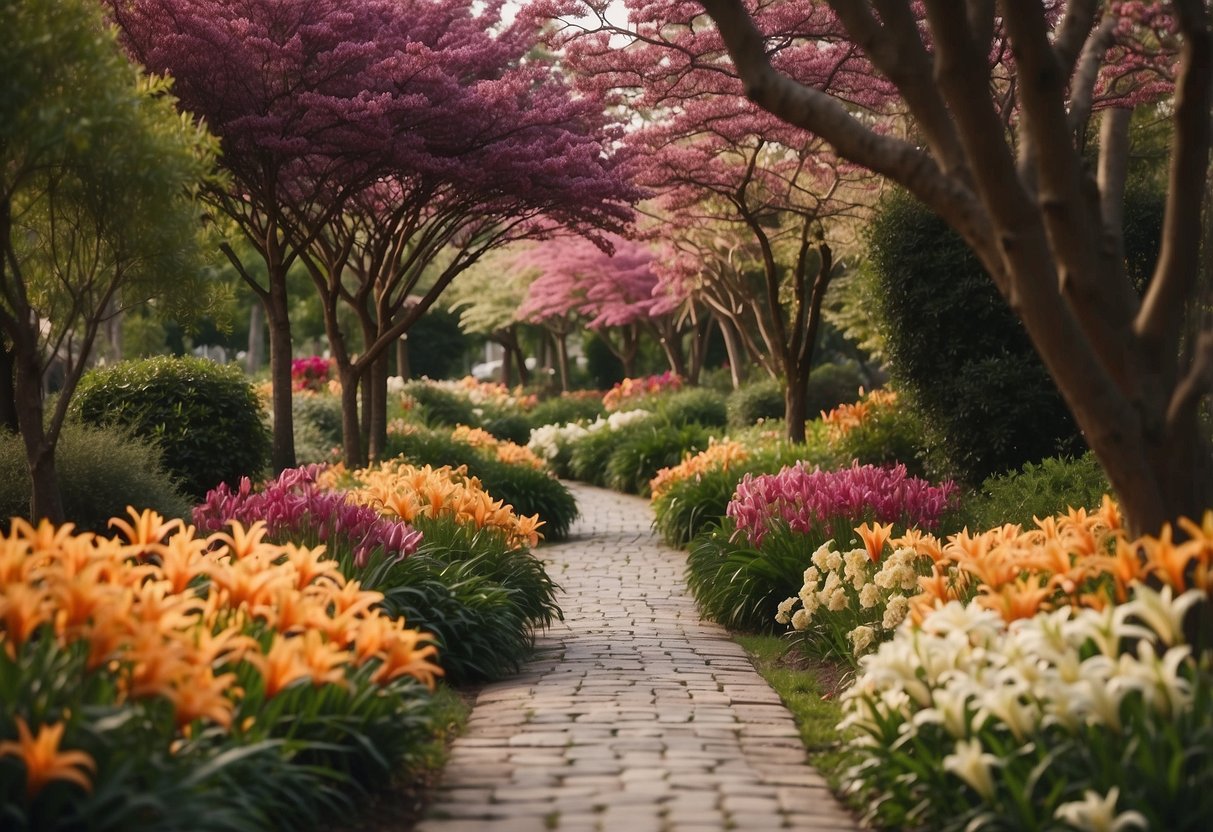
(805, 501)
(294, 509)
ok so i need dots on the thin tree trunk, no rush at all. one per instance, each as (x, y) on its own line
(1113, 172)
(363, 404)
(734, 350)
(280, 377)
(45, 499)
(8, 392)
(795, 403)
(378, 372)
(256, 339)
(562, 359)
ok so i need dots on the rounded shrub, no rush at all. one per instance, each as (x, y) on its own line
(955, 346)
(438, 406)
(696, 405)
(562, 410)
(639, 454)
(758, 400)
(102, 470)
(317, 427)
(831, 385)
(205, 417)
(508, 424)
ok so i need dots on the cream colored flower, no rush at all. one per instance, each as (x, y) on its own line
(895, 611)
(855, 567)
(811, 577)
(838, 600)
(822, 555)
(861, 638)
(972, 764)
(784, 611)
(801, 619)
(1098, 814)
(869, 596)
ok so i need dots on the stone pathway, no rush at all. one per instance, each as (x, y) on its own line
(634, 715)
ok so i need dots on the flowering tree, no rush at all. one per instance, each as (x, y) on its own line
(723, 168)
(488, 298)
(98, 177)
(305, 99)
(616, 292)
(1134, 370)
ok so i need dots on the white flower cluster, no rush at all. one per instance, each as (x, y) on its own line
(865, 598)
(546, 442)
(965, 668)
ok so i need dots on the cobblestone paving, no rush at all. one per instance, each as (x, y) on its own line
(634, 715)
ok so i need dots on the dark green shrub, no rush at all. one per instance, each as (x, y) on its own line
(510, 425)
(528, 490)
(957, 349)
(564, 409)
(831, 385)
(1037, 490)
(639, 454)
(758, 400)
(205, 417)
(740, 586)
(481, 600)
(438, 406)
(887, 436)
(696, 405)
(588, 459)
(102, 470)
(317, 427)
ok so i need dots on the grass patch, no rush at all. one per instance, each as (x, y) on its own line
(809, 688)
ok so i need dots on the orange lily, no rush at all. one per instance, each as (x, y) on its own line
(44, 761)
(148, 527)
(874, 538)
(402, 657)
(281, 665)
(1021, 599)
(23, 609)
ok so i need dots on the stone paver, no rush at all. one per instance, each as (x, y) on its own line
(634, 715)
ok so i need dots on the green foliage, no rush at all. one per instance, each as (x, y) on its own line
(480, 599)
(318, 429)
(438, 406)
(957, 349)
(758, 400)
(831, 385)
(604, 368)
(740, 586)
(1037, 490)
(509, 424)
(561, 410)
(887, 436)
(205, 417)
(528, 490)
(696, 405)
(102, 470)
(436, 345)
(641, 453)
(588, 459)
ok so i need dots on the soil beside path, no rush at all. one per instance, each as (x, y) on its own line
(634, 715)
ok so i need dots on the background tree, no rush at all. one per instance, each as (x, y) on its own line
(488, 298)
(617, 294)
(304, 99)
(98, 176)
(715, 161)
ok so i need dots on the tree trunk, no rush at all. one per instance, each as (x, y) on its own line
(1113, 172)
(351, 426)
(699, 348)
(256, 340)
(363, 404)
(280, 377)
(8, 392)
(562, 358)
(45, 499)
(378, 372)
(795, 404)
(733, 348)
(671, 345)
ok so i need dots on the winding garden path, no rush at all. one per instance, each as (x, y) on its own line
(634, 715)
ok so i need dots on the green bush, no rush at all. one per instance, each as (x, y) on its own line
(588, 459)
(562, 410)
(831, 385)
(317, 427)
(887, 436)
(480, 599)
(508, 424)
(528, 490)
(1037, 490)
(639, 454)
(437, 406)
(758, 400)
(205, 417)
(102, 470)
(957, 349)
(740, 586)
(693, 405)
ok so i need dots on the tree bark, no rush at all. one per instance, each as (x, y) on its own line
(351, 425)
(378, 407)
(734, 350)
(45, 499)
(256, 339)
(283, 453)
(562, 358)
(8, 392)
